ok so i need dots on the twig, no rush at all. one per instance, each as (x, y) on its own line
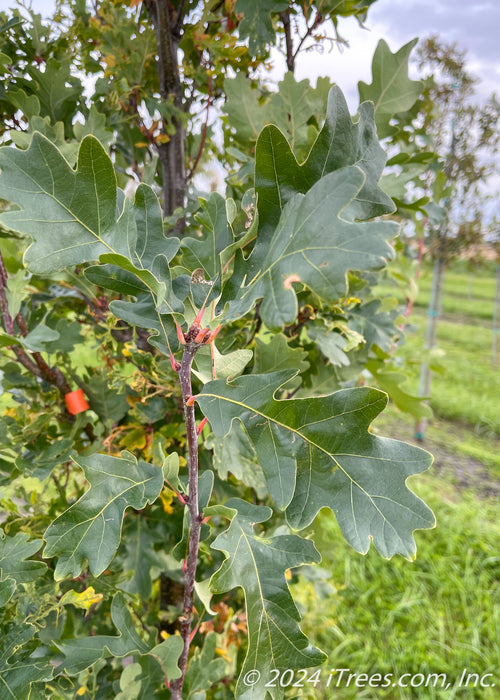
(8, 322)
(36, 366)
(317, 21)
(204, 133)
(194, 514)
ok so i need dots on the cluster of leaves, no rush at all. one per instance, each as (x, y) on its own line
(287, 265)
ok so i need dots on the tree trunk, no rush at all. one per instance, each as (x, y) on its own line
(167, 25)
(430, 337)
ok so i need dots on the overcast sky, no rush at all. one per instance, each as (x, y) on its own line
(474, 25)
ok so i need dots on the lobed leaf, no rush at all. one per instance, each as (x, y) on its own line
(391, 90)
(258, 565)
(82, 652)
(318, 452)
(71, 215)
(91, 528)
(14, 558)
(315, 243)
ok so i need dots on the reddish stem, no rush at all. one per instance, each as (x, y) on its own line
(194, 515)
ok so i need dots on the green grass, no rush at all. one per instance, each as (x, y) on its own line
(439, 614)
(469, 296)
(469, 388)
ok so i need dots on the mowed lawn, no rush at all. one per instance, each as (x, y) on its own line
(439, 615)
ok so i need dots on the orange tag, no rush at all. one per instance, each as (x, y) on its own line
(76, 402)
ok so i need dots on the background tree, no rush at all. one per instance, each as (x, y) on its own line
(465, 138)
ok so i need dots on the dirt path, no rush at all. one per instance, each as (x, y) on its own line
(469, 472)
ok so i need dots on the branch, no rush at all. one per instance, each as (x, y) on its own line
(317, 21)
(290, 55)
(194, 514)
(181, 12)
(50, 374)
(7, 319)
(39, 368)
(203, 134)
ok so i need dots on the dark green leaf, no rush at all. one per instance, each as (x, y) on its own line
(340, 143)
(318, 452)
(109, 406)
(80, 653)
(234, 454)
(70, 215)
(17, 676)
(14, 558)
(257, 24)
(314, 244)
(91, 528)
(258, 565)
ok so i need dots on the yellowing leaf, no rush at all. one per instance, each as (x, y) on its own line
(166, 498)
(84, 600)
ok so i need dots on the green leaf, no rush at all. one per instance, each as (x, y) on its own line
(139, 558)
(143, 679)
(340, 143)
(293, 106)
(71, 215)
(38, 337)
(151, 241)
(28, 104)
(91, 528)
(41, 461)
(158, 281)
(109, 406)
(204, 670)
(95, 124)
(258, 565)
(245, 113)
(226, 366)
(318, 452)
(391, 90)
(14, 558)
(57, 90)
(16, 291)
(273, 353)
(375, 324)
(143, 313)
(69, 336)
(203, 253)
(257, 23)
(16, 678)
(205, 487)
(234, 454)
(80, 653)
(392, 381)
(54, 133)
(330, 343)
(7, 589)
(314, 244)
